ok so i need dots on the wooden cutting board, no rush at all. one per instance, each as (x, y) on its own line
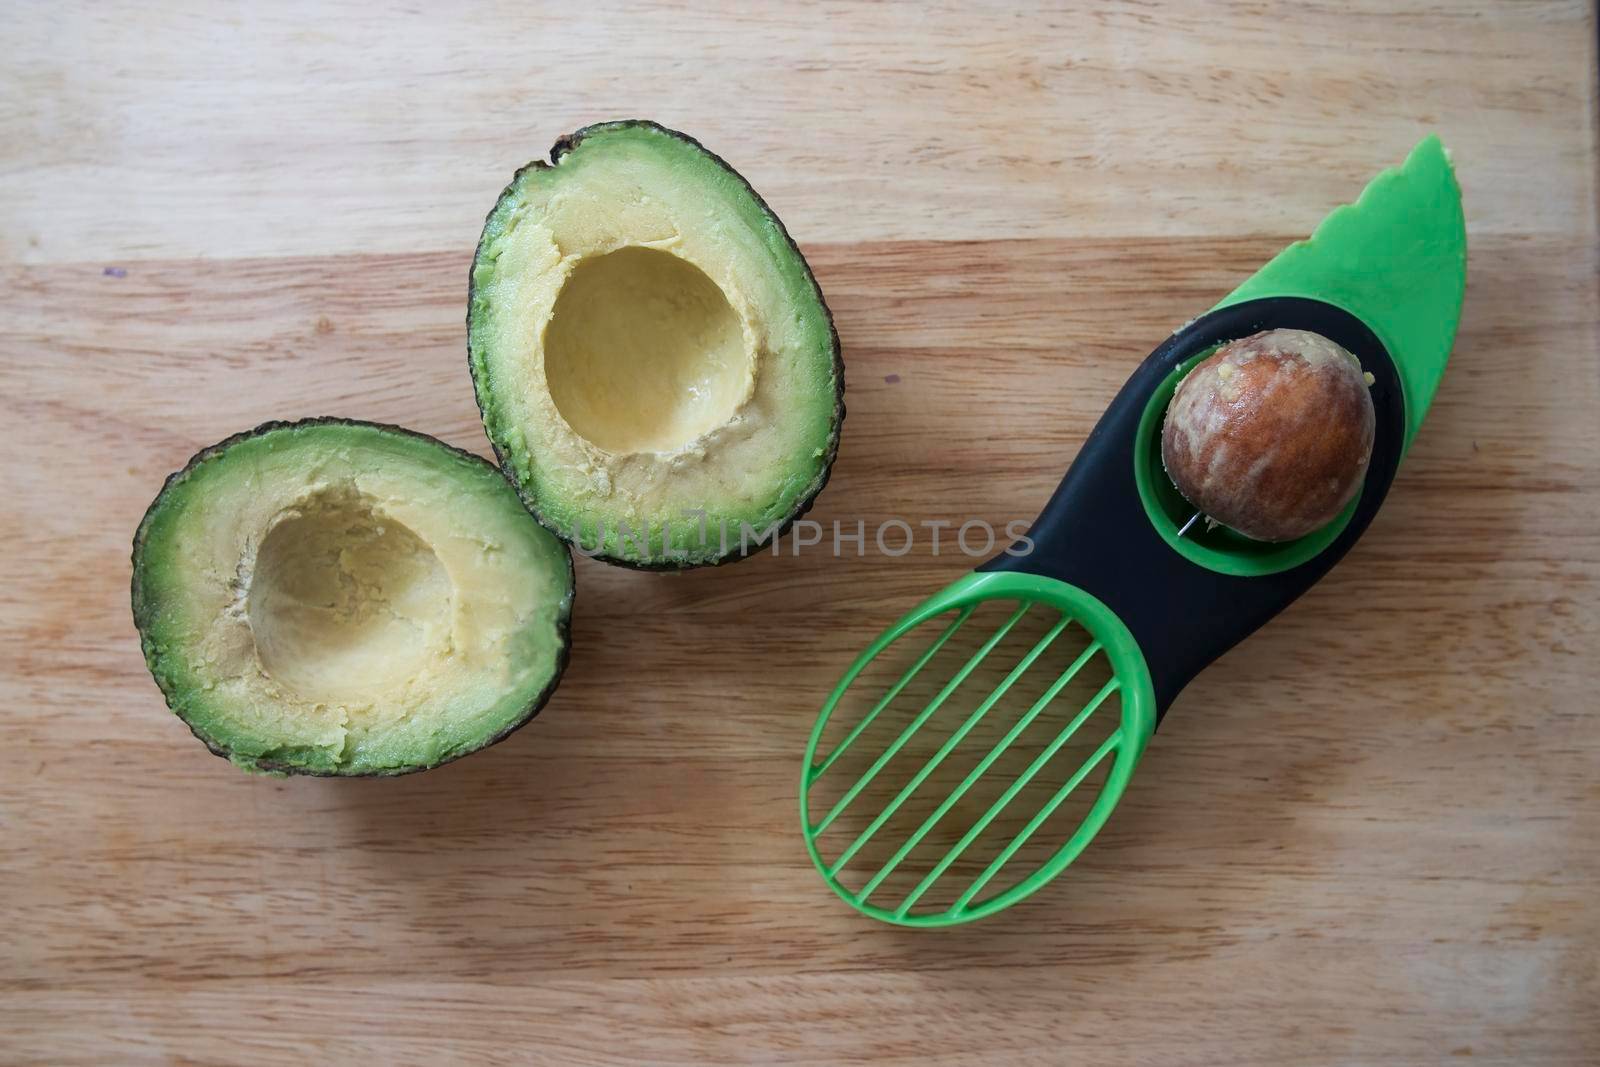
(1369, 835)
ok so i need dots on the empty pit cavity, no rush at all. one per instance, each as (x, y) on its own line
(344, 602)
(644, 353)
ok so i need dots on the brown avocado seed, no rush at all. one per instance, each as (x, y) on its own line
(1271, 434)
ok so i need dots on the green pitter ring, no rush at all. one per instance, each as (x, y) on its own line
(1384, 277)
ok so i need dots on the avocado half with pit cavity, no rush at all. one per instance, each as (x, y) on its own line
(655, 365)
(343, 598)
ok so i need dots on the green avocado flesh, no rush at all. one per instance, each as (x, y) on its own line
(655, 364)
(341, 598)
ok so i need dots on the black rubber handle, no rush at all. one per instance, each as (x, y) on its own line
(1095, 533)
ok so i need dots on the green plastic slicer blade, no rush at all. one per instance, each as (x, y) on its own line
(1126, 693)
(1395, 259)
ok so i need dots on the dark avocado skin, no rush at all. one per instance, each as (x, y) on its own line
(140, 612)
(563, 145)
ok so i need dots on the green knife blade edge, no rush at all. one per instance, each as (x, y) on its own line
(1397, 260)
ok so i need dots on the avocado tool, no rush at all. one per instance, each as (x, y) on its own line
(1384, 278)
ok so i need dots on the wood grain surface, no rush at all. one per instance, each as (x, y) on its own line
(1370, 835)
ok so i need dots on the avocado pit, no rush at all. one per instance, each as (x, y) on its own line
(644, 353)
(1271, 435)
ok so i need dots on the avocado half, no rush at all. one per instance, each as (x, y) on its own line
(333, 597)
(655, 364)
